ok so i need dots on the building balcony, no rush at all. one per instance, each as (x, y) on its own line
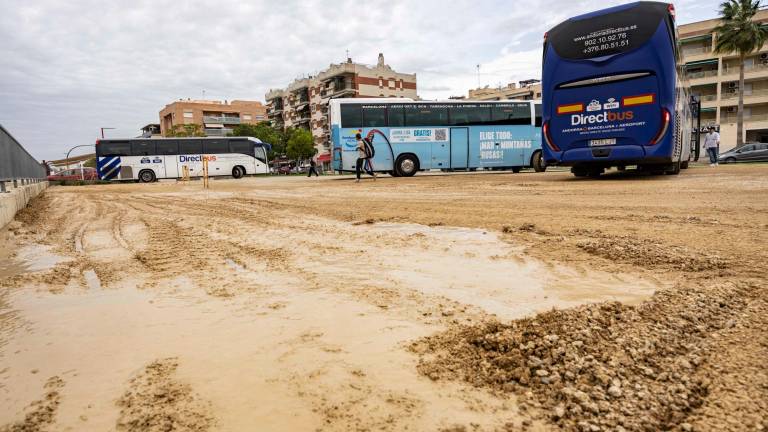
(218, 132)
(731, 118)
(760, 93)
(275, 112)
(748, 70)
(701, 74)
(221, 119)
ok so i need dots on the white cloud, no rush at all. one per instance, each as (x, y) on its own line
(69, 68)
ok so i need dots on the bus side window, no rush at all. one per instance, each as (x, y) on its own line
(215, 146)
(167, 147)
(396, 116)
(375, 116)
(467, 114)
(190, 147)
(114, 148)
(426, 115)
(351, 116)
(242, 146)
(537, 112)
(511, 114)
(142, 148)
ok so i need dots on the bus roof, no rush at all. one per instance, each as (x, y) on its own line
(614, 30)
(427, 102)
(180, 138)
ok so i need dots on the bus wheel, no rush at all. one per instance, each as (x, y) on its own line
(147, 176)
(516, 169)
(595, 172)
(238, 172)
(538, 162)
(674, 169)
(580, 172)
(684, 165)
(407, 165)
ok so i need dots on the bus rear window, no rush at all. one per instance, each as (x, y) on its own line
(607, 34)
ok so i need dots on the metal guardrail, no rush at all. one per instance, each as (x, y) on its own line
(17, 166)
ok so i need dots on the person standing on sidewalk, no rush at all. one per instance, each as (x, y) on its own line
(712, 144)
(362, 158)
(313, 168)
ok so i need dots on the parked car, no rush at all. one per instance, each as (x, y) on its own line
(750, 152)
(75, 174)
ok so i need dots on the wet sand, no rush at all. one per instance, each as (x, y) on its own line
(291, 304)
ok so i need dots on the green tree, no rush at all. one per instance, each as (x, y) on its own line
(300, 144)
(739, 33)
(265, 133)
(186, 130)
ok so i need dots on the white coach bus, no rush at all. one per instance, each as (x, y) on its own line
(147, 160)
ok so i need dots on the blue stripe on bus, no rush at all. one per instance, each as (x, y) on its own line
(108, 167)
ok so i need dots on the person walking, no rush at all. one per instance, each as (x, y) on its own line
(712, 144)
(313, 168)
(363, 157)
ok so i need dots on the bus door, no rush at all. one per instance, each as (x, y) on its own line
(459, 147)
(441, 150)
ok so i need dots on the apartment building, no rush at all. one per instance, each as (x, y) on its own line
(524, 90)
(216, 117)
(715, 79)
(304, 102)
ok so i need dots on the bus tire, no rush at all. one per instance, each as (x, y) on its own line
(684, 165)
(674, 169)
(516, 169)
(147, 176)
(238, 172)
(407, 165)
(579, 172)
(595, 172)
(537, 161)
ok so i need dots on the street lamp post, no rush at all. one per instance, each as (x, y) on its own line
(102, 131)
(77, 146)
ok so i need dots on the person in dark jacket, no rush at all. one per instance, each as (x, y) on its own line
(312, 168)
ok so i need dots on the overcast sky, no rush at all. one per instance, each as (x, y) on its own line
(68, 68)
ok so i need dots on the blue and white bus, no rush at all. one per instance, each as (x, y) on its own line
(410, 136)
(147, 160)
(613, 94)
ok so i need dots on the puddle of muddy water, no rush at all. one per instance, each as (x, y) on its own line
(475, 267)
(28, 258)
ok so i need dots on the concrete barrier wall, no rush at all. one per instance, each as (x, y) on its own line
(15, 160)
(18, 198)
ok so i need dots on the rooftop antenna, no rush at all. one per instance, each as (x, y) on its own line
(478, 76)
(203, 94)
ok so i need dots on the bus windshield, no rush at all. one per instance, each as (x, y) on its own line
(610, 87)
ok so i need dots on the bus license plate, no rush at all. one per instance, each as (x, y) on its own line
(602, 142)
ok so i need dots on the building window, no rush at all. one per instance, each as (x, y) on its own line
(391, 83)
(247, 117)
(381, 83)
(187, 114)
(259, 117)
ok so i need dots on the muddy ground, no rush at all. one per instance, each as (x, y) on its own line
(446, 302)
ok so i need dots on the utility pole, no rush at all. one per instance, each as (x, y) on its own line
(478, 76)
(102, 131)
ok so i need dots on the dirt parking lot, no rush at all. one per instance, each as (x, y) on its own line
(465, 302)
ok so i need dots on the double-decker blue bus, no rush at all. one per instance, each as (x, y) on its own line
(409, 136)
(613, 94)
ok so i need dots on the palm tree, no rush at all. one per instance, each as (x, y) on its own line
(739, 34)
